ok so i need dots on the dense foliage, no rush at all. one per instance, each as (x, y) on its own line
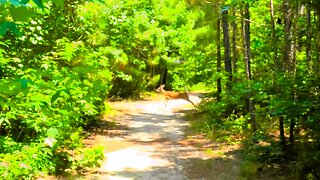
(60, 59)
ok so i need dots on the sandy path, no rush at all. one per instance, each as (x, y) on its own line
(151, 147)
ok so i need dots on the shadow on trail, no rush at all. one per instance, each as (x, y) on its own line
(160, 132)
(149, 127)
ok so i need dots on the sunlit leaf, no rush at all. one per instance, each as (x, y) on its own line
(4, 120)
(50, 141)
(52, 132)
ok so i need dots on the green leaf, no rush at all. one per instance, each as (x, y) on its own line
(4, 120)
(24, 83)
(9, 26)
(16, 3)
(4, 88)
(23, 1)
(225, 8)
(20, 13)
(59, 3)
(52, 132)
(100, 1)
(66, 91)
(277, 112)
(256, 43)
(39, 3)
(55, 96)
(98, 85)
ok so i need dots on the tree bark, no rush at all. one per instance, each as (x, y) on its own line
(219, 89)
(294, 48)
(287, 49)
(274, 40)
(287, 64)
(309, 35)
(233, 40)
(226, 42)
(246, 42)
(281, 129)
(247, 58)
(317, 43)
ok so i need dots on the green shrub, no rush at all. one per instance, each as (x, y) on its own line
(87, 158)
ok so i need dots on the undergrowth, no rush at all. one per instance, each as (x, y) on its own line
(263, 155)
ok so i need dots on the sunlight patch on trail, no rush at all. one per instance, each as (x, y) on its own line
(135, 158)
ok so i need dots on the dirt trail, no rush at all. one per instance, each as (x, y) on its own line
(153, 146)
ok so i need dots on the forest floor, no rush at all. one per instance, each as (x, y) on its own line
(150, 141)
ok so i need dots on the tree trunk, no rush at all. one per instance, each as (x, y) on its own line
(273, 38)
(247, 58)
(281, 129)
(287, 54)
(246, 41)
(309, 35)
(317, 43)
(233, 40)
(226, 42)
(287, 49)
(219, 89)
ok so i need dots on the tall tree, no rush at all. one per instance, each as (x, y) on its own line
(287, 44)
(233, 40)
(226, 43)
(247, 54)
(273, 37)
(287, 53)
(316, 4)
(294, 49)
(219, 89)
(309, 35)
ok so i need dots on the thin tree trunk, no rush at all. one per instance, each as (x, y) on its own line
(233, 40)
(287, 54)
(309, 35)
(247, 58)
(293, 70)
(317, 60)
(287, 50)
(226, 42)
(273, 38)
(281, 128)
(219, 89)
(246, 41)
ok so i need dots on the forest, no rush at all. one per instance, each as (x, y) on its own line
(257, 61)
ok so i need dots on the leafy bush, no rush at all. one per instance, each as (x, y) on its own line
(31, 160)
(87, 158)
